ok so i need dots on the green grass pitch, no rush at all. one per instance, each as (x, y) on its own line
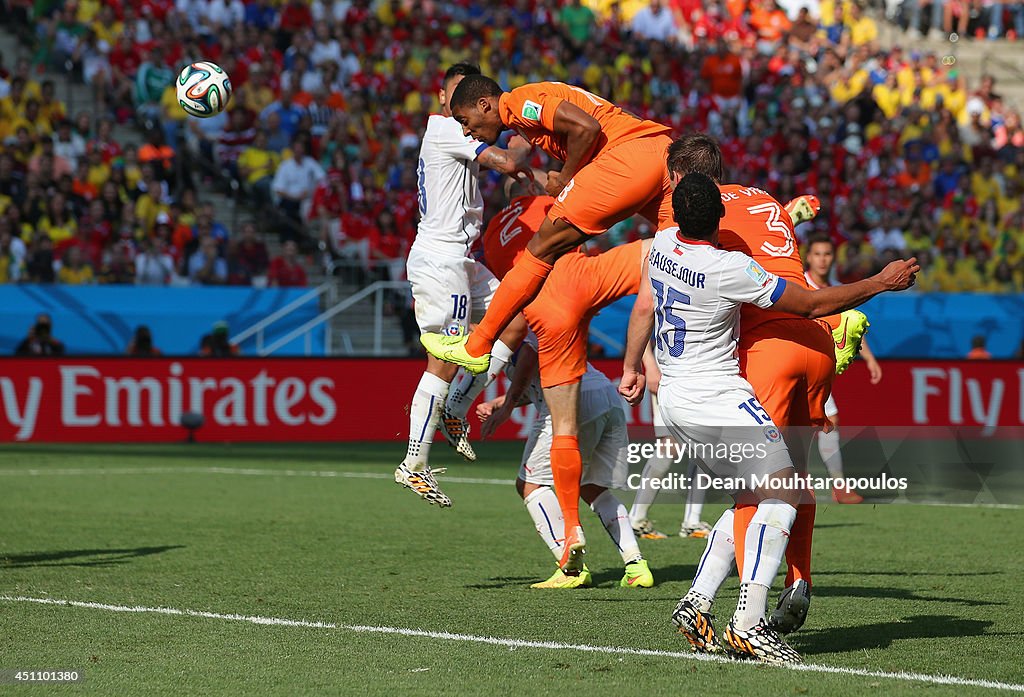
(928, 590)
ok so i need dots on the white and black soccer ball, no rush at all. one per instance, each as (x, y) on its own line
(204, 89)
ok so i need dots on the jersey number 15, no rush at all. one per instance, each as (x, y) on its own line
(665, 300)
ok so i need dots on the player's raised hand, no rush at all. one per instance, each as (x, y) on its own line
(899, 275)
(631, 386)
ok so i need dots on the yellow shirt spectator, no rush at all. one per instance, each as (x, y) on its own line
(985, 187)
(58, 231)
(146, 211)
(109, 33)
(98, 175)
(257, 164)
(888, 99)
(87, 11)
(75, 277)
(862, 31)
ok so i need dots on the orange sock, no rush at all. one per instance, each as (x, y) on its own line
(798, 551)
(742, 514)
(520, 285)
(567, 470)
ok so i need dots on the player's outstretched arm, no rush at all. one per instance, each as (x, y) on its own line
(898, 275)
(638, 335)
(581, 131)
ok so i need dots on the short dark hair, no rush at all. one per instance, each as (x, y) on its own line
(471, 90)
(462, 69)
(697, 206)
(820, 238)
(696, 152)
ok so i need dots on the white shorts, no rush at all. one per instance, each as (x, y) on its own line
(724, 426)
(603, 442)
(830, 407)
(448, 292)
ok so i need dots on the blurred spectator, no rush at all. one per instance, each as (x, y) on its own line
(39, 262)
(206, 266)
(40, 340)
(216, 344)
(578, 22)
(118, 265)
(286, 270)
(256, 167)
(251, 252)
(655, 21)
(75, 270)
(296, 179)
(141, 345)
(154, 266)
(978, 350)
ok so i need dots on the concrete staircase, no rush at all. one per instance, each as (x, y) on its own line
(1002, 59)
(352, 329)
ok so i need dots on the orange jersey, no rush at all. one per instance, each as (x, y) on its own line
(530, 110)
(508, 232)
(757, 225)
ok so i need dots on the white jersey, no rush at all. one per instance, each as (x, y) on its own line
(451, 206)
(698, 290)
(814, 286)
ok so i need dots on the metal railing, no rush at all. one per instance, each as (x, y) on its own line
(376, 289)
(617, 346)
(327, 288)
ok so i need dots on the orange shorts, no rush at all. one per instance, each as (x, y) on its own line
(577, 288)
(630, 178)
(790, 364)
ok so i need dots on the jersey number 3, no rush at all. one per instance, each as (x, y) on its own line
(665, 299)
(775, 225)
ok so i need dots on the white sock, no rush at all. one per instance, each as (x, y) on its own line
(717, 561)
(655, 468)
(467, 387)
(750, 608)
(542, 505)
(828, 448)
(424, 414)
(694, 498)
(767, 537)
(616, 521)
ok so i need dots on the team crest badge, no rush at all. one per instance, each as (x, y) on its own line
(453, 329)
(772, 434)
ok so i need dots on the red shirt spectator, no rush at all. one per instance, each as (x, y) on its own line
(285, 270)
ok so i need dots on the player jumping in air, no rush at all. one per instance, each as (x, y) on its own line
(613, 167)
(578, 287)
(690, 298)
(449, 287)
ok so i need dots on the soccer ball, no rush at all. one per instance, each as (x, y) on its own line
(204, 89)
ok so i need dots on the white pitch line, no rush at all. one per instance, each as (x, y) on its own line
(248, 472)
(518, 643)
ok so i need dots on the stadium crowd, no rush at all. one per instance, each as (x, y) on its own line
(330, 99)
